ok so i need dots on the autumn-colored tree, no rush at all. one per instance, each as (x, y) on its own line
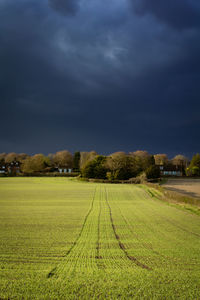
(22, 156)
(140, 153)
(180, 160)
(40, 162)
(36, 163)
(120, 165)
(11, 157)
(161, 159)
(142, 160)
(85, 157)
(63, 159)
(116, 161)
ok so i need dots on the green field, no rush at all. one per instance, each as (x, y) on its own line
(65, 239)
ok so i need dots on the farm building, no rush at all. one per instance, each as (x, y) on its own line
(13, 167)
(171, 170)
(64, 170)
(3, 169)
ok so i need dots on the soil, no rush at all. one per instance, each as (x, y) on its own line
(190, 187)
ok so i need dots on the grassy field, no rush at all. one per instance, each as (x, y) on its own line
(64, 239)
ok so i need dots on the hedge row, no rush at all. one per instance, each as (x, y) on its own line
(40, 174)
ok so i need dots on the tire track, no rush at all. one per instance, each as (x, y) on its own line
(180, 227)
(53, 271)
(98, 256)
(98, 233)
(153, 197)
(149, 247)
(143, 244)
(121, 245)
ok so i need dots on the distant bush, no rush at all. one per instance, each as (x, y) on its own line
(152, 172)
(135, 180)
(50, 174)
(35, 164)
(95, 168)
(193, 171)
(121, 166)
(82, 179)
(194, 167)
(106, 180)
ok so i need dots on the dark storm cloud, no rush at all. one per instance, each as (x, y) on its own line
(64, 7)
(102, 80)
(179, 14)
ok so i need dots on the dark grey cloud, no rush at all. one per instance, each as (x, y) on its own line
(64, 7)
(101, 80)
(179, 14)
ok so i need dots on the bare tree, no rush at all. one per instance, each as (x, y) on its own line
(180, 160)
(143, 159)
(63, 159)
(161, 159)
(121, 166)
(140, 153)
(36, 163)
(11, 157)
(86, 157)
(22, 156)
(116, 161)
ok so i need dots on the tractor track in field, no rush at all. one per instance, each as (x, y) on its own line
(98, 233)
(144, 245)
(98, 257)
(53, 271)
(170, 221)
(150, 248)
(121, 245)
(181, 228)
(153, 196)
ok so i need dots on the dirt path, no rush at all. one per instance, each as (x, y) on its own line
(190, 187)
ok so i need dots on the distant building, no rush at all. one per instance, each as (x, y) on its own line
(64, 170)
(3, 169)
(13, 167)
(171, 170)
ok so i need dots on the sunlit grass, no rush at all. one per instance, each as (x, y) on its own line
(64, 239)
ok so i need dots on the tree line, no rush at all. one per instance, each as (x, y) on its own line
(116, 166)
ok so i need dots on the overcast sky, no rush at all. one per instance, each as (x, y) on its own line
(100, 75)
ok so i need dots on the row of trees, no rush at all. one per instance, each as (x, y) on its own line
(39, 162)
(42, 163)
(121, 166)
(118, 165)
